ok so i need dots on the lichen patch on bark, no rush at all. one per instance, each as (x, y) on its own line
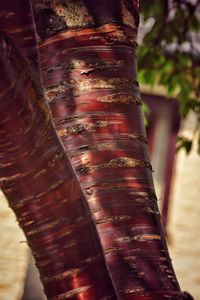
(90, 84)
(120, 98)
(121, 162)
(127, 16)
(74, 12)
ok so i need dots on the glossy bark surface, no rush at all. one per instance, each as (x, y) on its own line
(90, 79)
(42, 189)
(89, 73)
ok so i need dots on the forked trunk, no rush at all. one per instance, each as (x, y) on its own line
(42, 189)
(87, 52)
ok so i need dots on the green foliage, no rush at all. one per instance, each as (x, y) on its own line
(146, 112)
(169, 55)
(184, 143)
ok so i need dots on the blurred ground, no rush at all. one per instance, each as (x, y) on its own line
(13, 254)
(184, 219)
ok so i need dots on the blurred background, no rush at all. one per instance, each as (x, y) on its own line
(169, 74)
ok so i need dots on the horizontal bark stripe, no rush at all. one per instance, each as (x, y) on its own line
(115, 156)
(88, 64)
(84, 65)
(71, 293)
(20, 204)
(106, 146)
(73, 245)
(100, 115)
(143, 218)
(52, 158)
(98, 125)
(119, 97)
(70, 59)
(47, 262)
(90, 84)
(49, 233)
(94, 34)
(129, 178)
(89, 106)
(111, 189)
(53, 224)
(62, 275)
(83, 278)
(166, 295)
(101, 71)
(119, 162)
(145, 205)
(121, 138)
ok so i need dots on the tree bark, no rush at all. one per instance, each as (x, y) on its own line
(89, 71)
(87, 51)
(42, 189)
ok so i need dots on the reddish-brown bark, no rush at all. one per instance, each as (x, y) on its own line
(16, 20)
(94, 98)
(90, 76)
(91, 82)
(42, 189)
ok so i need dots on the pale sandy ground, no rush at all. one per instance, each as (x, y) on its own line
(13, 254)
(183, 229)
(184, 222)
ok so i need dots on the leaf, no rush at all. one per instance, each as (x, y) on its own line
(146, 112)
(184, 143)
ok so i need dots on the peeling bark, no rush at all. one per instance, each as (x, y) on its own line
(90, 79)
(88, 64)
(43, 191)
(117, 180)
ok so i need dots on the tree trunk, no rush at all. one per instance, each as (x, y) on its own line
(87, 52)
(89, 71)
(42, 189)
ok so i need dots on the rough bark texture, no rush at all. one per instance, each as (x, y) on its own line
(87, 52)
(42, 189)
(89, 72)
